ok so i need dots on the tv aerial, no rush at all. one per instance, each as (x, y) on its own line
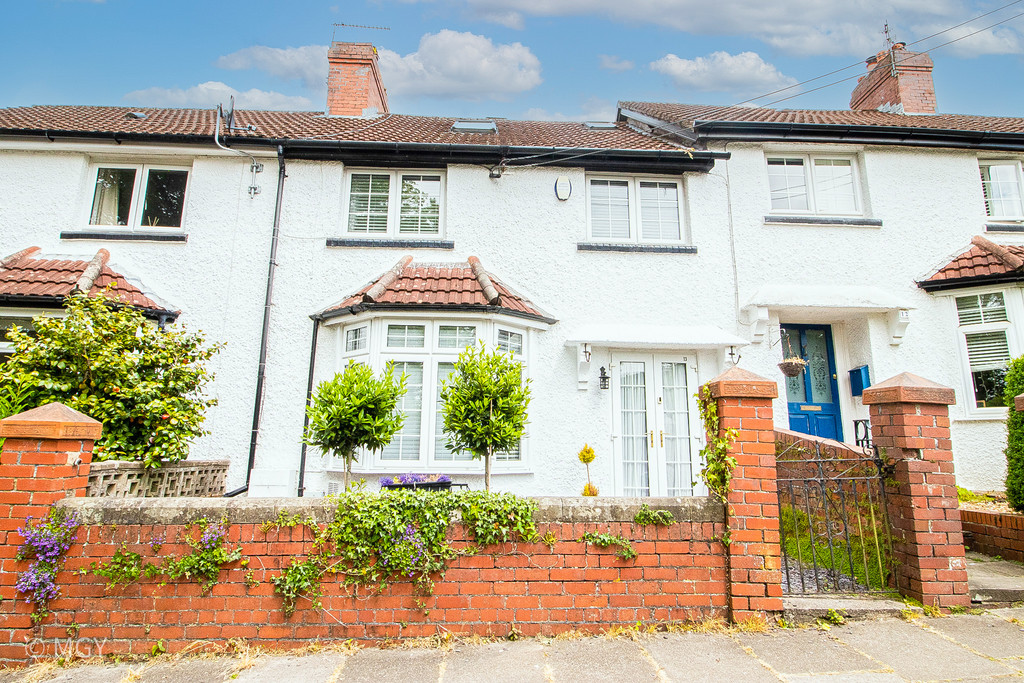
(375, 28)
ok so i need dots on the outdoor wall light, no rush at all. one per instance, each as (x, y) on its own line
(605, 379)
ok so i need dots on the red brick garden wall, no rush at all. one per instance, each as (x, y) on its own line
(995, 534)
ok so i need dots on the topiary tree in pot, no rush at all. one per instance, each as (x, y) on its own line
(354, 410)
(484, 404)
(105, 359)
(1014, 436)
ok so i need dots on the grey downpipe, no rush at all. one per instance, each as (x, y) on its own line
(309, 399)
(261, 373)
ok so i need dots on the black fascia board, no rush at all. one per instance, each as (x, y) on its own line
(57, 303)
(967, 282)
(424, 154)
(762, 131)
(355, 309)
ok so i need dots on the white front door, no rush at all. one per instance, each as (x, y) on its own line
(657, 439)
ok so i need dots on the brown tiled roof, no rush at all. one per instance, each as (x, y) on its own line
(982, 263)
(453, 286)
(316, 126)
(686, 114)
(47, 282)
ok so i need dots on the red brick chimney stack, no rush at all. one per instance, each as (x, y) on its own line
(354, 86)
(910, 91)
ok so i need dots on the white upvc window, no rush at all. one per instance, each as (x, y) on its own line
(987, 342)
(394, 204)
(1002, 183)
(635, 209)
(814, 184)
(143, 197)
(425, 351)
(6, 321)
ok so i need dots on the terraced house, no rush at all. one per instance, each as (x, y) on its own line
(624, 263)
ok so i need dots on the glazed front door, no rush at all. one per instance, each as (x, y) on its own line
(656, 432)
(813, 395)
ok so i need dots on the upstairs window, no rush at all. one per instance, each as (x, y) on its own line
(801, 183)
(984, 325)
(1002, 183)
(143, 197)
(395, 203)
(635, 210)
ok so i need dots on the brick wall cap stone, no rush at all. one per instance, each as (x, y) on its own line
(737, 382)
(52, 421)
(1018, 402)
(907, 387)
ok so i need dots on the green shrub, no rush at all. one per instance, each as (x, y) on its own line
(355, 410)
(1014, 436)
(143, 383)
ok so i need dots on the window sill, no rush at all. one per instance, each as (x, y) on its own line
(125, 236)
(823, 220)
(389, 243)
(643, 248)
(1004, 227)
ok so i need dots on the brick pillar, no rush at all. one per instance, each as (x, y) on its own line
(45, 458)
(755, 577)
(910, 423)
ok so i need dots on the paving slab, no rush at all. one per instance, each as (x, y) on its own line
(985, 633)
(992, 580)
(590, 660)
(802, 651)
(506, 662)
(858, 677)
(312, 668)
(406, 665)
(1009, 613)
(187, 670)
(805, 609)
(705, 657)
(916, 653)
(87, 673)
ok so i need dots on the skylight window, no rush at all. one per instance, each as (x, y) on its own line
(601, 125)
(477, 126)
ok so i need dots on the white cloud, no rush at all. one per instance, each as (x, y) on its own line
(462, 65)
(800, 27)
(613, 63)
(594, 109)
(212, 93)
(307, 63)
(742, 74)
(1001, 40)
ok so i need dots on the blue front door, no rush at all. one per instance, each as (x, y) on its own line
(813, 395)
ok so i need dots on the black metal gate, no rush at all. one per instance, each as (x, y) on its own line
(834, 527)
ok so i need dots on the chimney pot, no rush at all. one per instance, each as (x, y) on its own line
(910, 91)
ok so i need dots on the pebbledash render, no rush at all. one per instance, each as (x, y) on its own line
(624, 263)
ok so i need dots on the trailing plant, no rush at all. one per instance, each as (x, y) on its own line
(356, 410)
(586, 457)
(1014, 436)
(645, 516)
(46, 543)
(124, 567)
(401, 535)
(146, 385)
(209, 554)
(484, 404)
(717, 467)
(624, 549)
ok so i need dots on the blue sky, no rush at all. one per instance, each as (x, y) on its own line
(548, 59)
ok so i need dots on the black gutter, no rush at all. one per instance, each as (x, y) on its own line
(964, 282)
(309, 401)
(762, 131)
(428, 154)
(44, 301)
(475, 308)
(261, 373)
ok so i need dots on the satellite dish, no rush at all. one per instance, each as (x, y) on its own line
(229, 115)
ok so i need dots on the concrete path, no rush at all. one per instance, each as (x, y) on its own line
(994, 581)
(988, 646)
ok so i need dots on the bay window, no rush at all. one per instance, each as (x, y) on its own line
(985, 329)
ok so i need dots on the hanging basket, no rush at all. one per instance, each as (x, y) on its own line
(791, 367)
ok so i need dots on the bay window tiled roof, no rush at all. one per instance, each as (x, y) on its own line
(984, 263)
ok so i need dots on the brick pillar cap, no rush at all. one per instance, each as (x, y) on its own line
(907, 387)
(739, 383)
(52, 421)
(1018, 402)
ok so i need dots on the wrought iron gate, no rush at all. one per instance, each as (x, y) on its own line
(834, 526)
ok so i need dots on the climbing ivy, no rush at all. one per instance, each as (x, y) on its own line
(716, 471)
(645, 516)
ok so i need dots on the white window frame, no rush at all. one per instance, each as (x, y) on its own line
(394, 204)
(138, 197)
(377, 354)
(22, 313)
(635, 214)
(1014, 302)
(1016, 218)
(812, 199)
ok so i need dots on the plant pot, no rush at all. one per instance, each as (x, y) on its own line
(791, 367)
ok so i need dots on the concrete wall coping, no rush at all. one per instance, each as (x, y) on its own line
(174, 511)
